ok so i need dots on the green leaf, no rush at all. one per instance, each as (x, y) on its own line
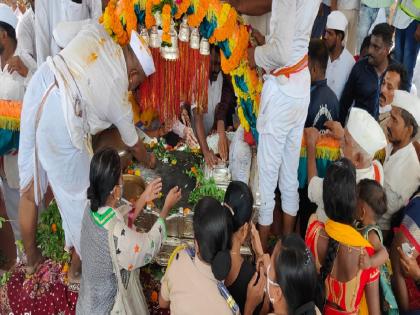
(2, 220)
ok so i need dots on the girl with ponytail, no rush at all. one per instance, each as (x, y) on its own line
(239, 200)
(193, 282)
(288, 278)
(337, 247)
(112, 252)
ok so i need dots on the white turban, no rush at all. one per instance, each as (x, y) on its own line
(366, 131)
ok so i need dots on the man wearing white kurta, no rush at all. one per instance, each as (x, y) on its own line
(284, 105)
(350, 9)
(341, 61)
(401, 167)
(49, 13)
(80, 92)
(25, 33)
(361, 139)
(13, 86)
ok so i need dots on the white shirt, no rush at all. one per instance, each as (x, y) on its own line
(290, 30)
(49, 13)
(25, 33)
(97, 63)
(315, 188)
(401, 19)
(214, 97)
(348, 4)
(18, 13)
(402, 178)
(338, 72)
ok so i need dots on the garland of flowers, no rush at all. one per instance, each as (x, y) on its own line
(166, 25)
(218, 22)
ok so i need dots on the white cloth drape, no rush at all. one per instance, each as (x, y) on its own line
(91, 68)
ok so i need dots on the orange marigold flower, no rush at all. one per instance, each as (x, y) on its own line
(154, 297)
(54, 228)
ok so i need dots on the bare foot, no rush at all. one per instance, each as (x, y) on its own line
(33, 261)
(75, 271)
(74, 276)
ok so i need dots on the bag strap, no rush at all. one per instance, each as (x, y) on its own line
(233, 306)
(112, 251)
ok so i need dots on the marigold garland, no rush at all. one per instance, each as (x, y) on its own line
(241, 38)
(149, 19)
(200, 10)
(166, 24)
(217, 21)
(183, 6)
(227, 24)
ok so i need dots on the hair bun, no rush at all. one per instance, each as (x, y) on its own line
(94, 203)
(90, 193)
(221, 265)
(307, 308)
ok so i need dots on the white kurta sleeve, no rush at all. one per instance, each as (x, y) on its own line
(26, 41)
(43, 34)
(315, 190)
(277, 51)
(135, 250)
(95, 9)
(122, 118)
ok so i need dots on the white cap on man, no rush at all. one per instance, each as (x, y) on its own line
(7, 16)
(366, 131)
(409, 102)
(142, 52)
(337, 21)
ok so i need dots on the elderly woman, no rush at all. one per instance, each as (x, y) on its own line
(336, 247)
(112, 252)
(405, 258)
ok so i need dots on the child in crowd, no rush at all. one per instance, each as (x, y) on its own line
(371, 205)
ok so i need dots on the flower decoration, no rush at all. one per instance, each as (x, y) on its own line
(217, 21)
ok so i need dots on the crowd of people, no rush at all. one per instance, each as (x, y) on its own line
(348, 242)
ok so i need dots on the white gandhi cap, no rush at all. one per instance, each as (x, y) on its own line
(7, 16)
(409, 102)
(366, 131)
(337, 21)
(142, 52)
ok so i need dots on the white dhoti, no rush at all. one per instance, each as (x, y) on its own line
(281, 120)
(240, 157)
(61, 164)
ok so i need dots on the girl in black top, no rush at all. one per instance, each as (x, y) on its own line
(239, 200)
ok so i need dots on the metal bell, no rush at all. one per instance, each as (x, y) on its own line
(171, 53)
(154, 41)
(145, 35)
(184, 30)
(204, 47)
(195, 39)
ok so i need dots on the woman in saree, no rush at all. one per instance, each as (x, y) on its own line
(112, 252)
(336, 247)
(405, 258)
